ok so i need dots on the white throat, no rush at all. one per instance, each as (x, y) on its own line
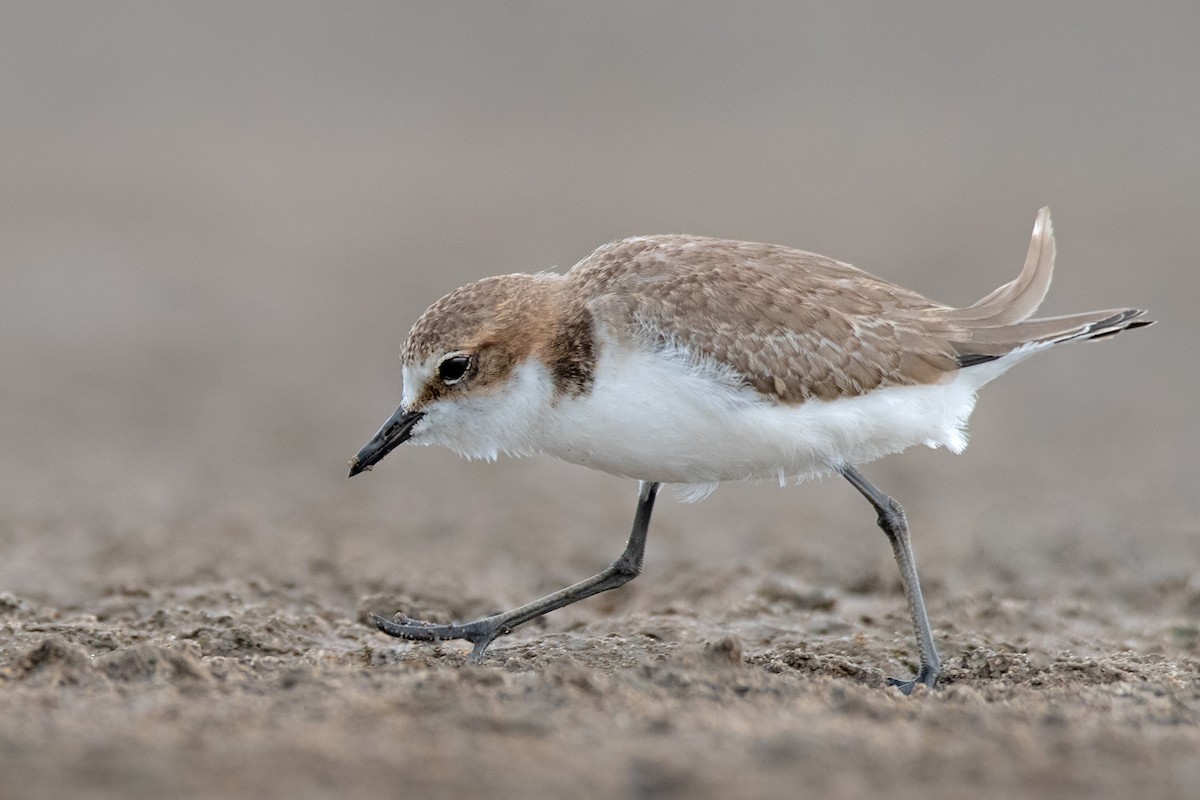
(486, 425)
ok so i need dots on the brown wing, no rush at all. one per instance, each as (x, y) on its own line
(797, 326)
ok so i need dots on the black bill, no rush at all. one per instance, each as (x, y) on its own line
(394, 432)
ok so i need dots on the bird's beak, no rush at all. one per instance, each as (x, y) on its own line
(394, 432)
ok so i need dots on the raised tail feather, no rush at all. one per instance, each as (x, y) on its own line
(1018, 299)
(999, 323)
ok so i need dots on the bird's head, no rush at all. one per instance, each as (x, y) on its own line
(475, 372)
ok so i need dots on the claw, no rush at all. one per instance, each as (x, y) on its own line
(481, 632)
(925, 675)
(405, 628)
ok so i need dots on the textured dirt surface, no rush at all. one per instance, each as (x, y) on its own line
(233, 688)
(217, 225)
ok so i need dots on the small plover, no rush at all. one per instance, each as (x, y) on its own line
(690, 360)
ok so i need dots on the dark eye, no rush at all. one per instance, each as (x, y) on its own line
(452, 369)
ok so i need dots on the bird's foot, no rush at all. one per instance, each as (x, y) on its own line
(927, 674)
(481, 632)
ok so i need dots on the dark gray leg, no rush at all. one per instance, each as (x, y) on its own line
(482, 632)
(891, 519)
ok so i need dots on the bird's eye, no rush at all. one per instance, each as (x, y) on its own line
(452, 369)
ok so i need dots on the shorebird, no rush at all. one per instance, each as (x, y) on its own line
(690, 360)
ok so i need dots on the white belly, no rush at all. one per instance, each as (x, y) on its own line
(655, 417)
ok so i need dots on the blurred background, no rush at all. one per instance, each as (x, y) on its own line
(219, 220)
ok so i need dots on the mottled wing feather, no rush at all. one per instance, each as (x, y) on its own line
(794, 325)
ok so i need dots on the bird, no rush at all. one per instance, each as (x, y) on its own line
(690, 361)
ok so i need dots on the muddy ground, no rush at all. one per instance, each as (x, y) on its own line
(216, 226)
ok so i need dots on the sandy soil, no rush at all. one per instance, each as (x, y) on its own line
(216, 227)
(718, 681)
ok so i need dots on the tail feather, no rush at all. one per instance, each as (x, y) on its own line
(984, 344)
(1018, 299)
(999, 324)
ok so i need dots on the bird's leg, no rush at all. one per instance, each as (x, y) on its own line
(482, 632)
(893, 523)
